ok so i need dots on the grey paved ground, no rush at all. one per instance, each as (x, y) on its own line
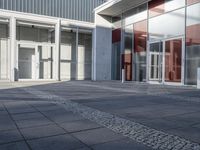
(29, 122)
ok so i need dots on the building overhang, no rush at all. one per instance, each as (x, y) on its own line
(29, 19)
(116, 7)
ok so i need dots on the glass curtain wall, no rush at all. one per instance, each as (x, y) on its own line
(192, 42)
(135, 36)
(166, 27)
(76, 54)
(4, 51)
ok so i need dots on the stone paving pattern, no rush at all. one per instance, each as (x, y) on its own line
(29, 122)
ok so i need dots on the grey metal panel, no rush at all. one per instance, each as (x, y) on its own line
(72, 9)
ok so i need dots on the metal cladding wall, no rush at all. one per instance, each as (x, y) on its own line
(71, 9)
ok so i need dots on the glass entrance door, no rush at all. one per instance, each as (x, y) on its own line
(155, 61)
(166, 63)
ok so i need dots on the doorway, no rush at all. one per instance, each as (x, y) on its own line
(166, 63)
(26, 63)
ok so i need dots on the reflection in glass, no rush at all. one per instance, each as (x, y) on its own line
(128, 52)
(156, 7)
(167, 25)
(189, 2)
(192, 44)
(156, 61)
(173, 57)
(116, 43)
(140, 41)
(136, 14)
(159, 7)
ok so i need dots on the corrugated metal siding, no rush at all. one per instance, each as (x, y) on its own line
(70, 9)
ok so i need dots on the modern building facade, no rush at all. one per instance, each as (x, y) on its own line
(46, 39)
(155, 41)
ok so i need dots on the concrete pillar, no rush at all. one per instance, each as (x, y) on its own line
(13, 48)
(198, 78)
(102, 53)
(57, 50)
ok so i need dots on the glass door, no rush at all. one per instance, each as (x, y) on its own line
(26, 63)
(155, 61)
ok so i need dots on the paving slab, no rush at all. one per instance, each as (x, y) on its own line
(49, 108)
(85, 148)
(125, 144)
(25, 116)
(14, 146)
(62, 116)
(10, 136)
(33, 122)
(6, 123)
(61, 142)
(41, 131)
(96, 136)
(80, 125)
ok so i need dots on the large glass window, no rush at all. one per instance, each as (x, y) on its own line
(140, 41)
(84, 55)
(192, 43)
(4, 51)
(68, 55)
(167, 25)
(76, 54)
(35, 34)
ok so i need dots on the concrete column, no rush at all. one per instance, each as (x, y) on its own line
(57, 50)
(102, 53)
(13, 48)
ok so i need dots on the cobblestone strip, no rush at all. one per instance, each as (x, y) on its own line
(137, 132)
